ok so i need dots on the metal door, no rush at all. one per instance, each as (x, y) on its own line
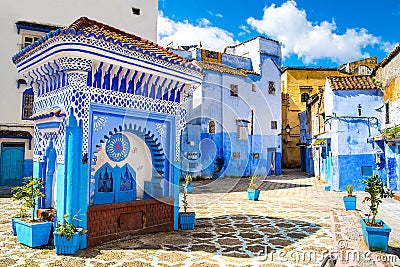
(12, 164)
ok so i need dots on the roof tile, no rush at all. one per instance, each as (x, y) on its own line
(97, 29)
(222, 68)
(354, 82)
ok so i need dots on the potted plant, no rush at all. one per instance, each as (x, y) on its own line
(376, 232)
(67, 236)
(350, 201)
(31, 232)
(187, 186)
(20, 214)
(252, 192)
(187, 219)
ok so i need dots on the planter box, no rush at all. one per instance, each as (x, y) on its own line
(189, 188)
(253, 194)
(33, 234)
(350, 203)
(377, 238)
(64, 246)
(187, 220)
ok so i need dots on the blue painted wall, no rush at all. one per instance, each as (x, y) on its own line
(28, 167)
(350, 150)
(349, 170)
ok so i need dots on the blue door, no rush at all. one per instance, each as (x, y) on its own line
(12, 164)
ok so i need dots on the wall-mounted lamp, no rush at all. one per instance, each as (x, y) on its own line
(359, 107)
(287, 129)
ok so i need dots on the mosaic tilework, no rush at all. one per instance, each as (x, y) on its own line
(293, 216)
(130, 51)
(80, 97)
(72, 63)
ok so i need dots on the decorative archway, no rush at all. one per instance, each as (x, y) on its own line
(116, 140)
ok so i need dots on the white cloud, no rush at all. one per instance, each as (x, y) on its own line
(311, 41)
(244, 29)
(185, 33)
(218, 15)
(388, 46)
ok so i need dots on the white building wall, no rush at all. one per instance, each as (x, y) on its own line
(58, 12)
(251, 50)
(268, 106)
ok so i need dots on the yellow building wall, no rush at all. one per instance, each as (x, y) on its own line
(392, 92)
(295, 82)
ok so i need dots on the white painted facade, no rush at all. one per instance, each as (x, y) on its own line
(119, 14)
(247, 125)
(61, 13)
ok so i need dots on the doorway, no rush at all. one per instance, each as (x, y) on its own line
(12, 164)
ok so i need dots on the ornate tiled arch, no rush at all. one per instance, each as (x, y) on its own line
(157, 153)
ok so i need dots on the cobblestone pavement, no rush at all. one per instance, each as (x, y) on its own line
(294, 223)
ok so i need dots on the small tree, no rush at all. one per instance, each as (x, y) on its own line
(185, 201)
(377, 191)
(28, 193)
(188, 179)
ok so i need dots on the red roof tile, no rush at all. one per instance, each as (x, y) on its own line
(354, 82)
(91, 26)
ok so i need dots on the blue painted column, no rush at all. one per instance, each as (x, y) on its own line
(73, 165)
(50, 164)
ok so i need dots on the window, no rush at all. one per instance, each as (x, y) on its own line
(387, 112)
(192, 155)
(28, 40)
(304, 97)
(236, 155)
(271, 87)
(135, 11)
(274, 125)
(242, 133)
(211, 127)
(234, 90)
(192, 165)
(366, 171)
(27, 104)
(254, 87)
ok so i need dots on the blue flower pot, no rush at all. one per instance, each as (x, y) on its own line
(188, 188)
(350, 203)
(253, 194)
(187, 220)
(64, 246)
(33, 234)
(377, 238)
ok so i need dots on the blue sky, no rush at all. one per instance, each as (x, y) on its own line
(313, 33)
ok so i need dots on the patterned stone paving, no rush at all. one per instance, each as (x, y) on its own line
(295, 223)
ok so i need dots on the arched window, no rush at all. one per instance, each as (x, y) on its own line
(211, 127)
(304, 97)
(363, 70)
